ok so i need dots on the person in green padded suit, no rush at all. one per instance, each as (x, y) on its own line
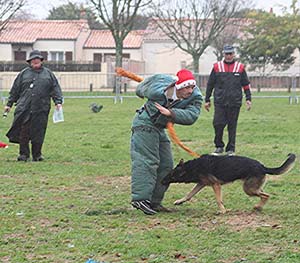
(168, 100)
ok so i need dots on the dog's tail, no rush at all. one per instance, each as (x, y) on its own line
(285, 167)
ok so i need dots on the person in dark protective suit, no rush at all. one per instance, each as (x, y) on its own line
(227, 79)
(167, 101)
(32, 91)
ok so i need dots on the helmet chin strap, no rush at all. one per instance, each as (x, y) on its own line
(170, 126)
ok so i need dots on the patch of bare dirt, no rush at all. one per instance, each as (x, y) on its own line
(270, 250)
(239, 221)
(5, 259)
(14, 236)
(6, 197)
(5, 176)
(243, 220)
(41, 258)
(45, 222)
(115, 180)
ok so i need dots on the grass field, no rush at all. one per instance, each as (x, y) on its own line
(76, 204)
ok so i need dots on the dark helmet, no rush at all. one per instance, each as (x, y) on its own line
(228, 49)
(35, 54)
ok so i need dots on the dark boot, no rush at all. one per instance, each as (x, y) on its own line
(143, 205)
(218, 151)
(22, 158)
(24, 152)
(36, 149)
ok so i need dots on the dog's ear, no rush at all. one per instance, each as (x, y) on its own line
(181, 162)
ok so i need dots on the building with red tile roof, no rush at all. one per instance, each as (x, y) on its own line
(71, 43)
(56, 39)
(104, 39)
(100, 44)
(64, 40)
(30, 31)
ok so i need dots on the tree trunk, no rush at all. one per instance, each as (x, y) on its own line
(196, 69)
(196, 63)
(119, 51)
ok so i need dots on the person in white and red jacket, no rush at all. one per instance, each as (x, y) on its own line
(227, 80)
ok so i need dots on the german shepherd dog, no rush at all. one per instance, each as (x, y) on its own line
(210, 170)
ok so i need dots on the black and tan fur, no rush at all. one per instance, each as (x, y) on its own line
(209, 170)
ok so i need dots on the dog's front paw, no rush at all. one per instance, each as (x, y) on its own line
(179, 202)
(222, 212)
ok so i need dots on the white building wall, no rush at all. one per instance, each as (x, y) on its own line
(88, 53)
(165, 57)
(162, 56)
(206, 61)
(296, 67)
(55, 45)
(6, 53)
(79, 51)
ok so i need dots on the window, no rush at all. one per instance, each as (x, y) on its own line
(57, 56)
(126, 55)
(69, 55)
(97, 57)
(45, 55)
(20, 55)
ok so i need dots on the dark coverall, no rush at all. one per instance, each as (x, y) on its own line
(32, 91)
(150, 146)
(227, 79)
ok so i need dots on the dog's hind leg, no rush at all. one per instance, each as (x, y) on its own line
(188, 197)
(218, 192)
(252, 187)
(263, 199)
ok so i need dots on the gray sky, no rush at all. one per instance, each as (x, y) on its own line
(40, 8)
(275, 4)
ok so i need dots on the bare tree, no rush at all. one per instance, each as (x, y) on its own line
(229, 36)
(119, 16)
(7, 10)
(24, 15)
(194, 24)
